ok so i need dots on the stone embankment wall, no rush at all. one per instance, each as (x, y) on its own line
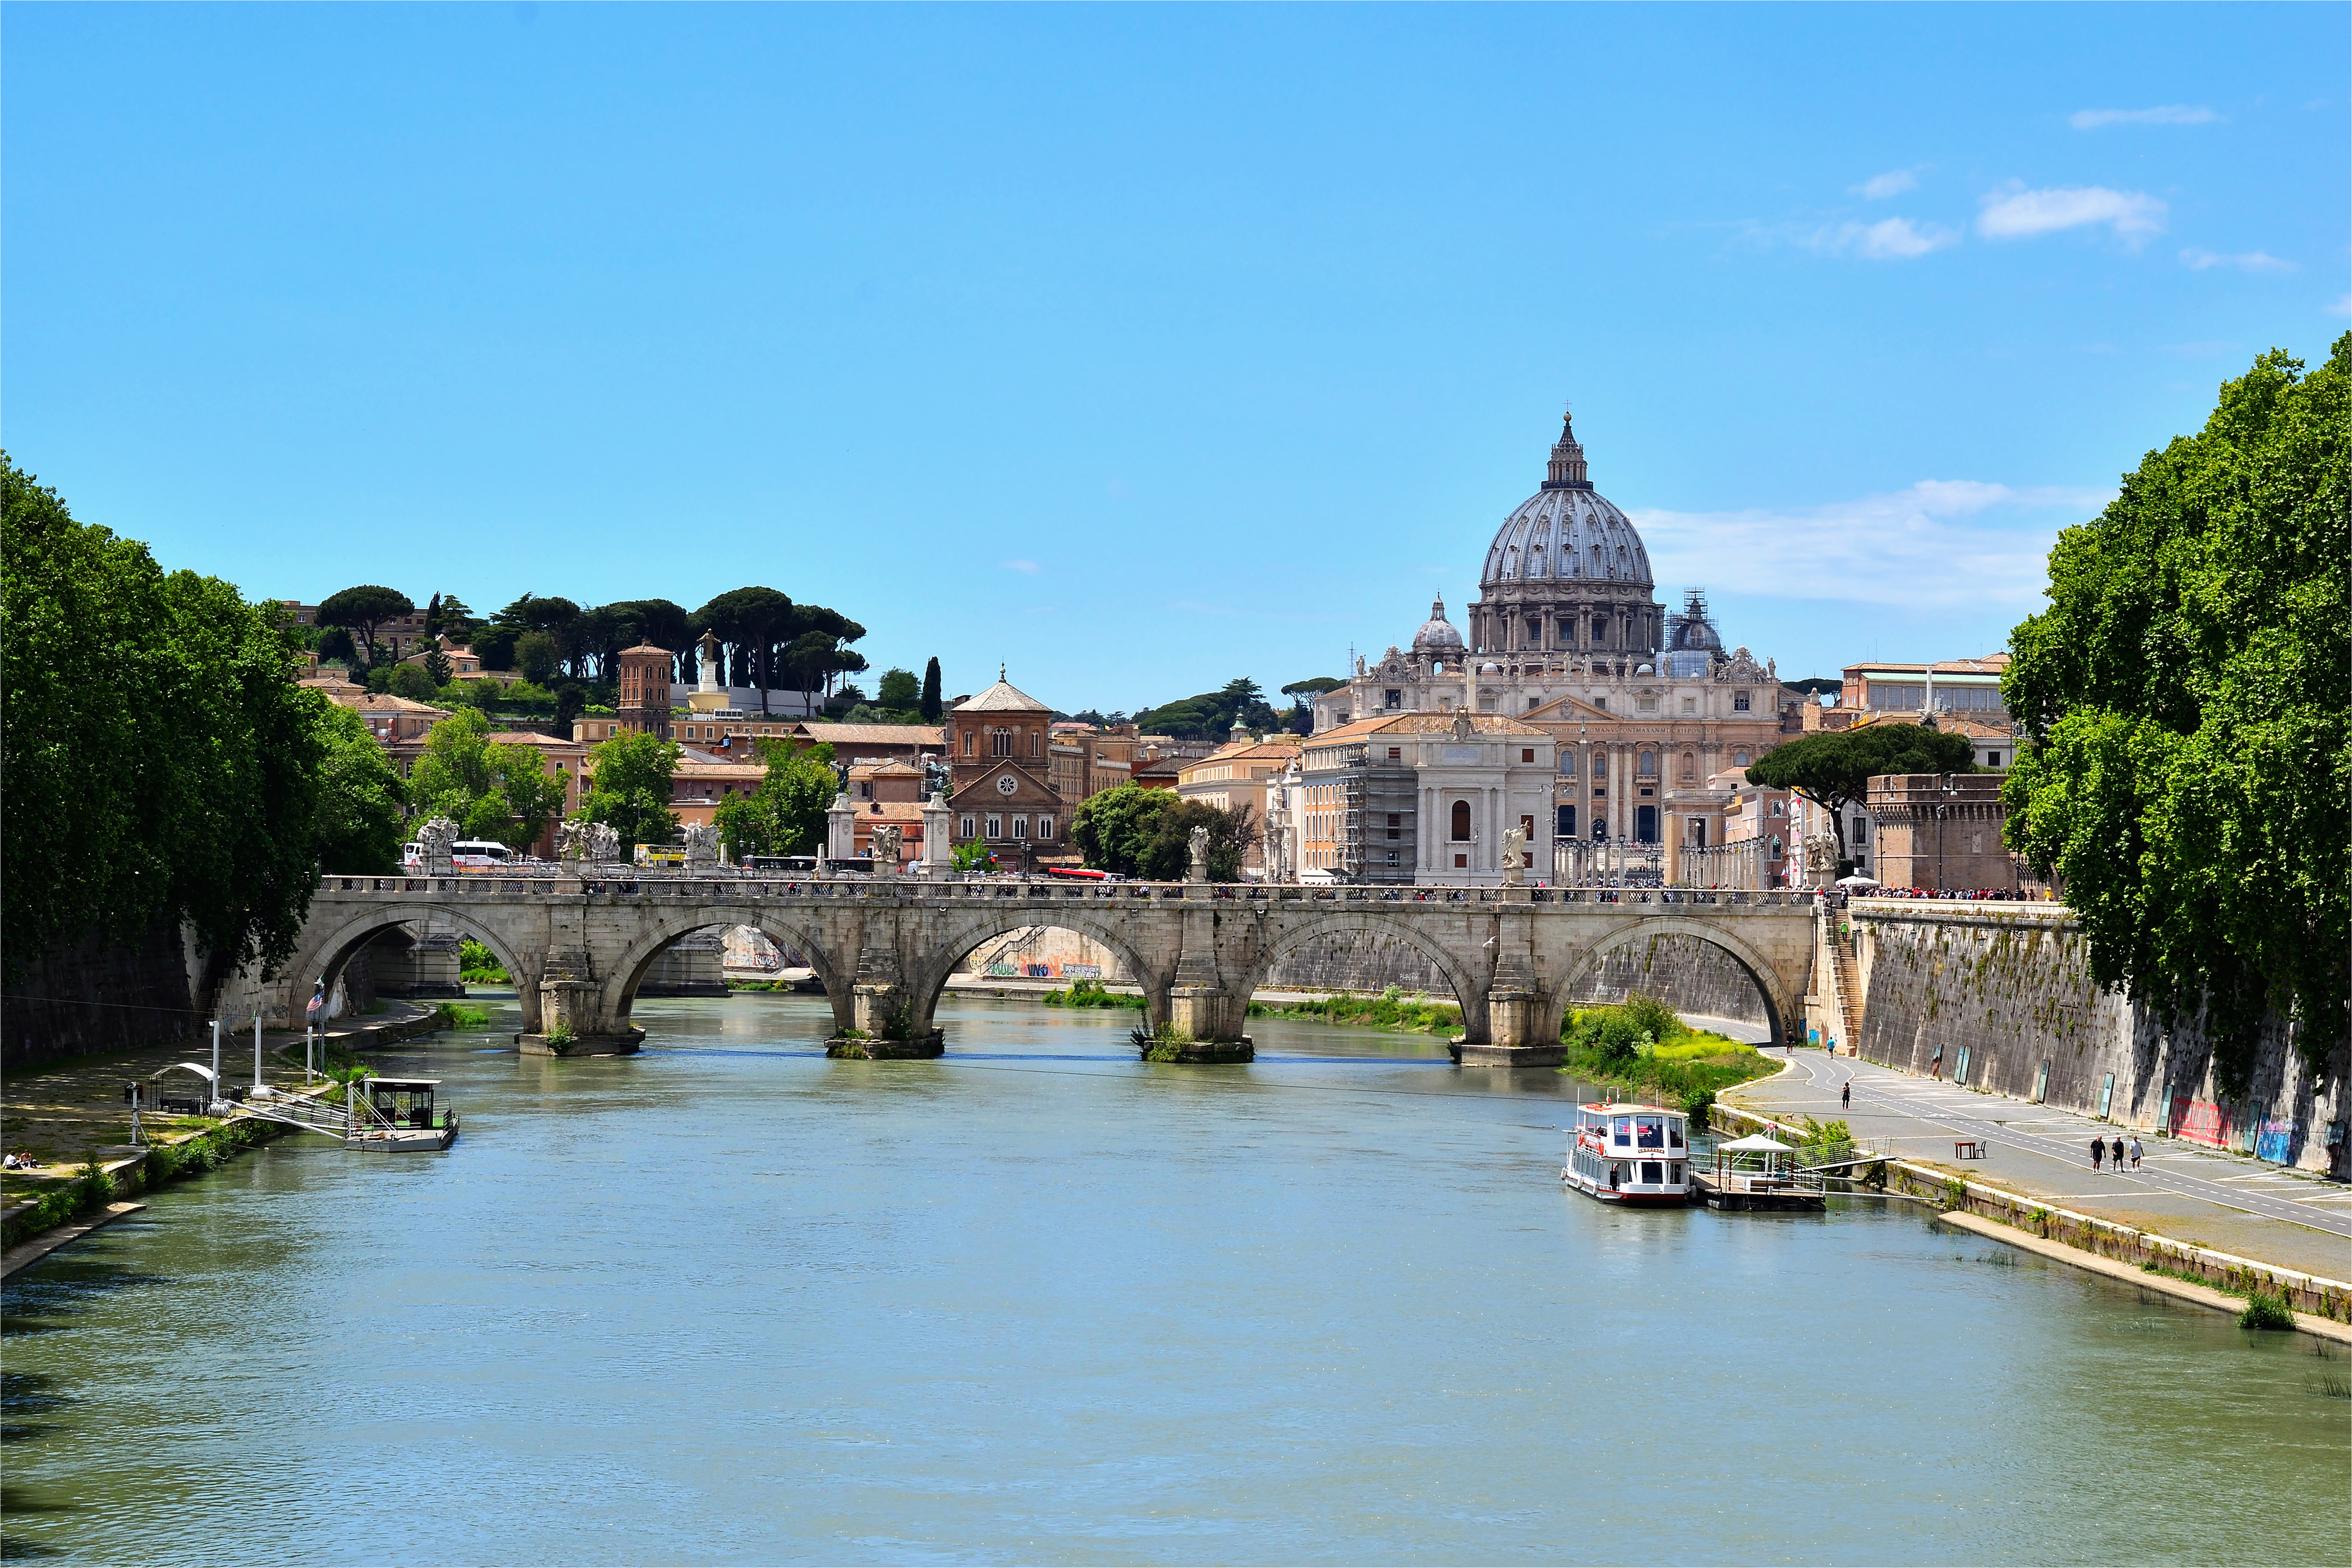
(104, 994)
(1685, 973)
(2009, 984)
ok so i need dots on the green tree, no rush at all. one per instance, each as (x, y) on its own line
(1167, 855)
(900, 690)
(362, 610)
(409, 681)
(536, 654)
(491, 789)
(755, 625)
(570, 699)
(1302, 695)
(630, 789)
(436, 667)
(785, 815)
(157, 761)
(453, 771)
(1833, 769)
(2185, 698)
(930, 706)
(1114, 828)
(361, 825)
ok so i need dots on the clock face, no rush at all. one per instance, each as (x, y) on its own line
(1005, 785)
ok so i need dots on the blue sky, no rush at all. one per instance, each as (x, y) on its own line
(1137, 347)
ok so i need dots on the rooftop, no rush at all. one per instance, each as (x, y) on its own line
(1002, 698)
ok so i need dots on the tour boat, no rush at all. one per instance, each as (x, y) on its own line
(1629, 1154)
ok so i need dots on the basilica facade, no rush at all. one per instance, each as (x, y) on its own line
(1645, 705)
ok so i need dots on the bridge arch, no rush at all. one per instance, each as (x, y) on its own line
(1780, 1006)
(332, 952)
(1287, 934)
(963, 931)
(628, 971)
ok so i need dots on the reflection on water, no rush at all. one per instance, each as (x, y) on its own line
(728, 1301)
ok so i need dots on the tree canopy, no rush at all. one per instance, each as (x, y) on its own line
(363, 610)
(930, 706)
(2185, 698)
(491, 789)
(158, 761)
(361, 822)
(1833, 769)
(785, 815)
(630, 789)
(1137, 831)
(1212, 715)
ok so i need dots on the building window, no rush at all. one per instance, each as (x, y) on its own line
(1568, 822)
(1739, 703)
(1392, 856)
(1992, 759)
(1739, 759)
(1036, 743)
(1690, 767)
(1460, 821)
(1000, 742)
(1020, 827)
(1648, 705)
(1045, 828)
(1462, 862)
(967, 827)
(1690, 704)
(1649, 769)
(1396, 754)
(1392, 698)
(1780, 808)
(967, 742)
(1527, 753)
(1601, 703)
(1568, 763)
(1534, 703)
(996, 827)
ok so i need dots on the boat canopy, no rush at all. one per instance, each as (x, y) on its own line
(204, 1073)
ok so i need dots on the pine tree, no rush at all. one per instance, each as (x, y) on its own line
(931, 709)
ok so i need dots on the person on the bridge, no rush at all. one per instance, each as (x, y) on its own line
(2115, 1151)
(2098, 1150)
(2134, 1151)
(1846, 1096)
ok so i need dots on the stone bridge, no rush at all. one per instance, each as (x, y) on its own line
(578, 945)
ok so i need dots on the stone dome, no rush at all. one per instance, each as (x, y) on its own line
(1567, 536)
(1437, 635)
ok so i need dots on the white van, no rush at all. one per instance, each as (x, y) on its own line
(479, 854)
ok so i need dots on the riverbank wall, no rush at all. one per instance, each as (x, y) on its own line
(1999, 997)
(2309, 1294)
(124, 1176)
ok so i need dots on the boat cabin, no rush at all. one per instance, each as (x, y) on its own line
(1623, 1152)
(402, 1102)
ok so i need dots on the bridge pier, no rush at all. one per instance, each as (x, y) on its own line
(883, 1026)
(1522, 1016)
(1205, 1015)
(572, 1021)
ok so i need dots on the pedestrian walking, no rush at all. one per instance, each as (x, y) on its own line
(2115, 1151)
(1846, 1096)
(2098, 1150)
(2134, 1151)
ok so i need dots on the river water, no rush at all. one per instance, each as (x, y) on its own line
(728, 1302)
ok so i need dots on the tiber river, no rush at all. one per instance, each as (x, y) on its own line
(729, 1302)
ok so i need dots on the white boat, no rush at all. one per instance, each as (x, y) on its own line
(1624, 1153)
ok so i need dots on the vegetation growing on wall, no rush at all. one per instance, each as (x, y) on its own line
(1393, 1009)
(1640, 1048)
(2189, 715)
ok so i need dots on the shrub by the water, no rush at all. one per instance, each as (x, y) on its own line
(2266, 1309)
(1640, 1046)
(457, 1015)
(1091, 993)
(1393, 1009)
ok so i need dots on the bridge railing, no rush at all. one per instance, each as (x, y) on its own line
(728, 883)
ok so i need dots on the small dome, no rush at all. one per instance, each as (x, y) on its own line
(1437, 634)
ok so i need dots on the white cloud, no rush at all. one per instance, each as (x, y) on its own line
(2341, 308)
(2198, 260)
(1889, 240)
(2015, 213)
(1940, 544)
(1029, 567)
(2167, 114)
(1893, 183)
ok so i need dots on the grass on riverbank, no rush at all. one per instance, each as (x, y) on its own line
(1639, 1049)
(1091, 993)
(1396, 1008)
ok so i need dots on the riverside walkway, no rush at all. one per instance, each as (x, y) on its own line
(2227, 1202)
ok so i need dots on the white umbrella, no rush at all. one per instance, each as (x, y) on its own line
(1756, 1143)
(1857, 881)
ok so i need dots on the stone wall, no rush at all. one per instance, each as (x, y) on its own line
(1356, 961)
(1685, 973)
(104, 994)
(2009, 985)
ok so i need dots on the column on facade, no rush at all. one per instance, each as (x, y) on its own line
(1621, 796)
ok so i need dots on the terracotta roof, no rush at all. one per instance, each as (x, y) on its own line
(1002, 698)
(531, 738)
(1991, 664)
(889, 811)
(647, 647)
(892, 769)
(872, 734)
(385, 702)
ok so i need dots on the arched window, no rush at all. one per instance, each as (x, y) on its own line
(1690, 766)
(1462, 822)
(1738, 759)
(967, 749)
(1649, 764)
(1000, 742)
(1036, 743)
